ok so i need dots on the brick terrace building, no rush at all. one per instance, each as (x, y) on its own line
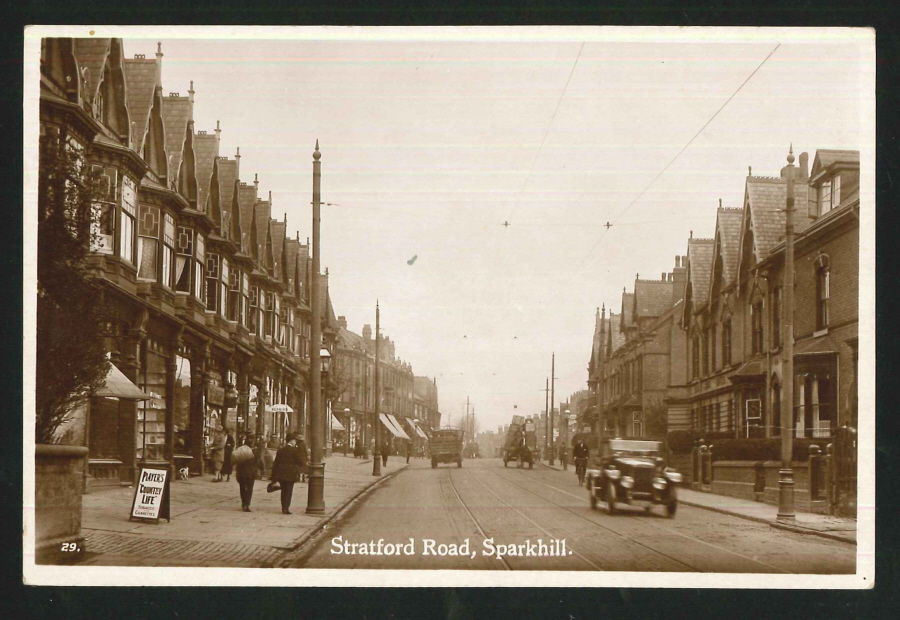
(211, 299)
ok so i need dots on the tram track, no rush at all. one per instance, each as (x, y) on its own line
(654, 525)
(478, 526)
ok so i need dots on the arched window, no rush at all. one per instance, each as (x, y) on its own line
(823, 291)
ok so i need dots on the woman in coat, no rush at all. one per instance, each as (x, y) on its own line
(229, 448)
(217, 453)
(247, 471)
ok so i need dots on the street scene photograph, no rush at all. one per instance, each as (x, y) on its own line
(455, 301)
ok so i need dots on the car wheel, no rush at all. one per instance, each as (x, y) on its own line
(610, 498)
(671, 507)
(591, 495)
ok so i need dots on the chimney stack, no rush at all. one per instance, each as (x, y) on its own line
(342, 321)
(367, 332)
(678, 277)
(804, 166)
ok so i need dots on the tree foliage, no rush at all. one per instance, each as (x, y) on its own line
(71, 357)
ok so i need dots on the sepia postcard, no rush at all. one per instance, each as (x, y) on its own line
(447, 304)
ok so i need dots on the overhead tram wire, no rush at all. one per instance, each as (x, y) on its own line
(500, 246)
(615, 220)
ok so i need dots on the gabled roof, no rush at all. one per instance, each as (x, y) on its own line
(766, 198)
(262, 210)
(627, 314)
(292, 250)
(176, 113)
(728, 234)
(247, 199)
(206, 148)
(827, 157)
(278, 230)
(700, 254)
(615, 336)
(91, 55)
(227, 176)
(652, 297)
(141, 81)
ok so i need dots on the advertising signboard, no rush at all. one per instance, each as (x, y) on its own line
(151, 495)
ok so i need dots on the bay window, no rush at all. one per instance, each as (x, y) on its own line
(198, 269)
(212, 282)
(103, 220)
(254, 310)
(270, 310)
(223, 289)
(128, 213)
(183, 259)
(276, 316)
(148, 242)
(168, 256)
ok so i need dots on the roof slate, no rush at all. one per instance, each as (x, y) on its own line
(350, 340)
(247, 198)
(616, 338)
(627, 309)
(206, 148)
(263, 210)
(728, 231)
(292, 249)
(176, 113)
(140, 84)
(227, 176)
(91, 54)
(652, 297)
(767, 197)
(700, 254)
(278, 230)
(827, 157)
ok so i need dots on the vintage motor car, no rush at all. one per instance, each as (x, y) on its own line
(632, 471)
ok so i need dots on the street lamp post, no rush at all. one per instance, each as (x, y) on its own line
(315, 502)
(786, 474)
(552, 397)
(346, 428)
(376, 459)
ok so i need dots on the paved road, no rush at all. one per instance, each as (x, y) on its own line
(508, 506)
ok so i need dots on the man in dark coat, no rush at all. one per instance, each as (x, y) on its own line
(247, 471)
(289, 463)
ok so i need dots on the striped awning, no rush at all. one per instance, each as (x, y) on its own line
(336, 424)
(396, 423)
(395, 430)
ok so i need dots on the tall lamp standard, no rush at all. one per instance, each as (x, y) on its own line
(346, 428)
(550, 413)
(315, 502)
(786, 473)
(376, 458)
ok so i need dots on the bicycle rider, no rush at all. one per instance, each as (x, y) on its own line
(580, 454)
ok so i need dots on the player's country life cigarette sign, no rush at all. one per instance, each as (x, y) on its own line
(148, 496)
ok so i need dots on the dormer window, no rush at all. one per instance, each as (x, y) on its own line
(829, 194)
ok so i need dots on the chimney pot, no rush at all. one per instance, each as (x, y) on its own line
(663, 276)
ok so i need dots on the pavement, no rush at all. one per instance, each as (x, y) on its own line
(826, 526)
(208, 527)
(485, 516)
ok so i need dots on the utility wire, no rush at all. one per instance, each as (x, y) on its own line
(677, 155)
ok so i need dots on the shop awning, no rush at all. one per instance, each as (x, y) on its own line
(421, 434)
(336, 424)
(117, 385)
(396, 423)
(396, 432)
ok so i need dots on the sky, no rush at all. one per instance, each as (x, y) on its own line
(429, 146)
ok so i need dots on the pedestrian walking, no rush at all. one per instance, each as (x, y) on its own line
(286, 470)
(246, 471)
(217, 453)
(229, 449)
(385, 448)
(408, 450)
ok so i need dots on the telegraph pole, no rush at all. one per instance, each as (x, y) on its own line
(365, 437)
(376, 459)
(552, 400)
(786, 479)
(315, 502)
(547, 419)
